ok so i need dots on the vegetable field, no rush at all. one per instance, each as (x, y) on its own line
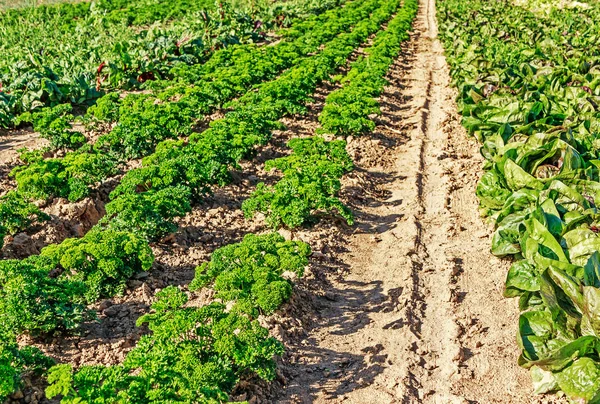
(299, 201)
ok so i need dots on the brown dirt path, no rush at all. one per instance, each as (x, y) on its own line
(419, 316)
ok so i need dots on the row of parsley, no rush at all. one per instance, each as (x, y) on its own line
(142, 120)
(528, 90)
(312, 173)
(74, 52)
(192, 354)
(99, 263)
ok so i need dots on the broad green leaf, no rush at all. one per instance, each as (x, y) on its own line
(517, 178)
(543, 380)
(581, 381)
(522, 276)
(541, 235)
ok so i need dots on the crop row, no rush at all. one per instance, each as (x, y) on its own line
(347, 111)
(529, 91)
(141, 121)
(74, 52)
(246, 274)
(311, 174)
(99, 263)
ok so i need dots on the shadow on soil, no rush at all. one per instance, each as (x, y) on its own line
(331, 302)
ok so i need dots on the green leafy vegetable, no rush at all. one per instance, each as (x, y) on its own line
(250, 273)
(310, 183)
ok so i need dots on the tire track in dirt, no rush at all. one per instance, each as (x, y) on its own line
(418, 317)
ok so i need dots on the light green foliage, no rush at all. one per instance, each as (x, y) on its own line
(311, 180)
(106, 108)
(250, 272)
(69, 177)
(311, 174)
(347, 112)
(104, 259)
(194, 355)
(142, 123)
(148, 214)
(176, 164)
(205, 159)
(31, 300)
(54, 125)
(17, 214)
(529, 92)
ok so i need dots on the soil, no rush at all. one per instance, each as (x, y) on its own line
(416, 313)
(406, 306)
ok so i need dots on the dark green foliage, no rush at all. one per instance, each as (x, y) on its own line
(17, 214)
(194, 355)
(54, 125)
(31, 300)
(7, 103)
(69, 177)
(15, 362)
(310, 183)
(148, 11)
(148, 214)
(104, 259)
(250, 272)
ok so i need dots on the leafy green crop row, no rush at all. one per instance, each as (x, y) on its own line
(197, 354)
(64, 277)
(529, 91)
(73, 52)
(15, 361)
(168, 192)
(310, 183)
(347, 110)
(141, 121)
(45, 293)
(311, 174)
